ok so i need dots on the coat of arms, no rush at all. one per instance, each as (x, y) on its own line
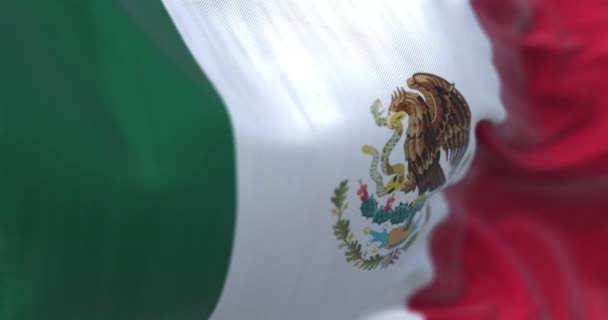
(438, 120)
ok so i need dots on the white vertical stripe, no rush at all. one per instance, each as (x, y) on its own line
(298, 78)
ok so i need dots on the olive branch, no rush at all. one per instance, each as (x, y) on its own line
(354, 253)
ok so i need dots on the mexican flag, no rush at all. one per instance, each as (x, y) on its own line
(197, 159)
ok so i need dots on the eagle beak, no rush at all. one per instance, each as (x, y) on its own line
(394, 118)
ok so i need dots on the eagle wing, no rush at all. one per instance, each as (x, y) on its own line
(421, 143)
(450, 114)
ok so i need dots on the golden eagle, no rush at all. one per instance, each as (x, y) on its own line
(439, 119)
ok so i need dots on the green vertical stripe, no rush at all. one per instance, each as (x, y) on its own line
(117, 184)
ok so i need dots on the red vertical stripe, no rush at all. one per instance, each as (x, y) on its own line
(528, 235)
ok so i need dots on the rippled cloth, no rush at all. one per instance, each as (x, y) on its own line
(532, 212)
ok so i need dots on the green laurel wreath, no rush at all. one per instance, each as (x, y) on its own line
(354, 253)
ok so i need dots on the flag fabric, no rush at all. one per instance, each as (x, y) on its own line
(233, 160)
(118, 185)
(534, 244)
(330, 222)
(191, 159)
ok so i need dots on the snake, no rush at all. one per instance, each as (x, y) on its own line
(393, 122)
